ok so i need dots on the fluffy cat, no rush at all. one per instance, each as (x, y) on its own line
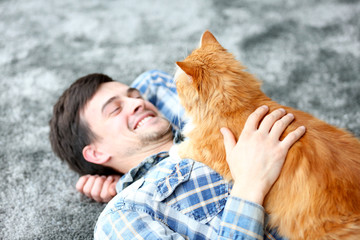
(317, 195)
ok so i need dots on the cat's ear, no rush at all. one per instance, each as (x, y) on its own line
(208, 38)
(188, 67)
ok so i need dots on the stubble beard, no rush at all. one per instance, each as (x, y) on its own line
(153, 138)
(156, 136)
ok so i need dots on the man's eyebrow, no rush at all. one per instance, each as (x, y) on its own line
(132, 90)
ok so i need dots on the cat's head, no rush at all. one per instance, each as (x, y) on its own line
(210, 80)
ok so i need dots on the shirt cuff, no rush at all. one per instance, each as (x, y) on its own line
(242, 219)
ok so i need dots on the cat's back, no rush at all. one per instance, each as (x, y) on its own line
(327, 150)
(319, 183)
(327, 142)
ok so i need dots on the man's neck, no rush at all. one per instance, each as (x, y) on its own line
(132, 161)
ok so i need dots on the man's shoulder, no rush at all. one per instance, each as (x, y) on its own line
(153, 78)
(162, 180)
(171, 191)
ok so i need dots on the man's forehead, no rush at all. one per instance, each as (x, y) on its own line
(113, 86)
(104, 92)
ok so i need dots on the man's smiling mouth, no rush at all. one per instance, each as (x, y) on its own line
(142, 122)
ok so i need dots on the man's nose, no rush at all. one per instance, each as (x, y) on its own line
(134, 105)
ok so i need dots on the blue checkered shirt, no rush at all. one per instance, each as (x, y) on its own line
(166, 197)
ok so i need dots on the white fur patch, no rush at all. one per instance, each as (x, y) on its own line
(178, 72)
(189, 126)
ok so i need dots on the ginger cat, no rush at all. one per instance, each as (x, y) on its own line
(317, 195)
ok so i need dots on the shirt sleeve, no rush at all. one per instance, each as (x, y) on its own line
(159, 88)
(132, 224)
(242, 220)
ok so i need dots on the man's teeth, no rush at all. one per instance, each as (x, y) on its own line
(142, 122)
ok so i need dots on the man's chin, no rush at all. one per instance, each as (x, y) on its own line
(155, 136)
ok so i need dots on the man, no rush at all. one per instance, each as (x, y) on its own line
(101, 126)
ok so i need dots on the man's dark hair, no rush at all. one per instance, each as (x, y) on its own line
(69, 134)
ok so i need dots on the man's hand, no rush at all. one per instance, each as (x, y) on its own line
(257, 158)
(99, 188)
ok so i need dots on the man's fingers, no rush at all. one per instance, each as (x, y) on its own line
(105, 192)
(81, 182)
(280, 125)
(292, 137)
(97, 187)
(253, 120)
(88, 186)
(229, 139)
(112, 187)
(270, 119)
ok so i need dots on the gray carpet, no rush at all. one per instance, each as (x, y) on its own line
(307, 54)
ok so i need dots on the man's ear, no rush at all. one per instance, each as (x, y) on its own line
(93, 155)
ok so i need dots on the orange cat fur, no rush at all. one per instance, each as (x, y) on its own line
(317, 195)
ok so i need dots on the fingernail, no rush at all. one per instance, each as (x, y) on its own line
(222, 131)
(110, 178)
(290, 115)
(302, 128)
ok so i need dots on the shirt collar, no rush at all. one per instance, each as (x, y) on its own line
(141, 169)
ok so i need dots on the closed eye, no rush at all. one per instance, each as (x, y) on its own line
(115, 110)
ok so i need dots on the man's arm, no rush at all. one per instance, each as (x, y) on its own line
(255, 163)
(257, 158)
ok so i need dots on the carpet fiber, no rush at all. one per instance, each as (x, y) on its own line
(307, 53)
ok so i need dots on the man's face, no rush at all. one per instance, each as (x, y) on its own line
(123, 121)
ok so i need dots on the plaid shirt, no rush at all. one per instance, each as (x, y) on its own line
(166, 197)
